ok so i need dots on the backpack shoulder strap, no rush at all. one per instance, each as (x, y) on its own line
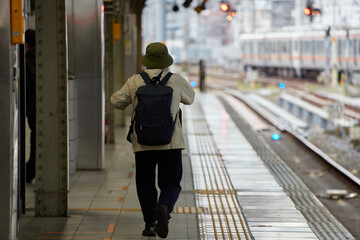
(145, 77)
(166, 78)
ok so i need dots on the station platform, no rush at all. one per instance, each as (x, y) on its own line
(233, 187)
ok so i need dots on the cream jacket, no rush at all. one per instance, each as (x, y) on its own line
(182, 93)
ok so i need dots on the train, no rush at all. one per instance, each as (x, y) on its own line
(304, 54)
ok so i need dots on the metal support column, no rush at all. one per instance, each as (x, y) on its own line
(8, 126)
(119, 58)
(109, 69)
(139, 40)
(51, 188)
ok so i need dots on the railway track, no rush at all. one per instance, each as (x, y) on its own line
(321, 177)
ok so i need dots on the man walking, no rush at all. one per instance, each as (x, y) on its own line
(156, 211)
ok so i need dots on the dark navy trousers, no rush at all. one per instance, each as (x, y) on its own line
(170, 171)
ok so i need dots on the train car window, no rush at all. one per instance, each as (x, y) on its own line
(355, 46)
(259, 49)
(307, 47)
(312, 47)
(296, 46)
(319, 47)
(268, 47)
(263, 47)
(284, 47)
(274, 47)
(350, 51)
(290, 47)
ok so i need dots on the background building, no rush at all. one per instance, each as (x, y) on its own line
(211, 36)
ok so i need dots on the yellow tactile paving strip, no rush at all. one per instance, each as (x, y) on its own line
(213, 189)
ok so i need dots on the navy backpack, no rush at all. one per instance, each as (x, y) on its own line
(153, 121)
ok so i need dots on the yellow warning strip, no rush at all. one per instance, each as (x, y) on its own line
(228, 204)
(216, 181)
(222, 203)
(211, 177)
(235, 204)
(208, 197)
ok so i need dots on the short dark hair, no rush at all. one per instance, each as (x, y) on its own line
(30, 37)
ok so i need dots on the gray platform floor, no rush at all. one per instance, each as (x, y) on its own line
(104, 205)
(223, 196)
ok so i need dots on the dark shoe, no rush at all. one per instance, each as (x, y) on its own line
(149, 230)
(162, 217)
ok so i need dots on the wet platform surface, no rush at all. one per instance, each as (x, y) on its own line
(230, 191)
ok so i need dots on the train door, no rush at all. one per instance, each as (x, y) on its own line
(350, 59)
(339, 52)
(289, 51)
(354, 52)
(306, 53)
(313, 51)
(295, 57)
(356, 73)
(261, 53)
(267, 51)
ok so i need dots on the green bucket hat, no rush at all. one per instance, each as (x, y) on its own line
(157, 56)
